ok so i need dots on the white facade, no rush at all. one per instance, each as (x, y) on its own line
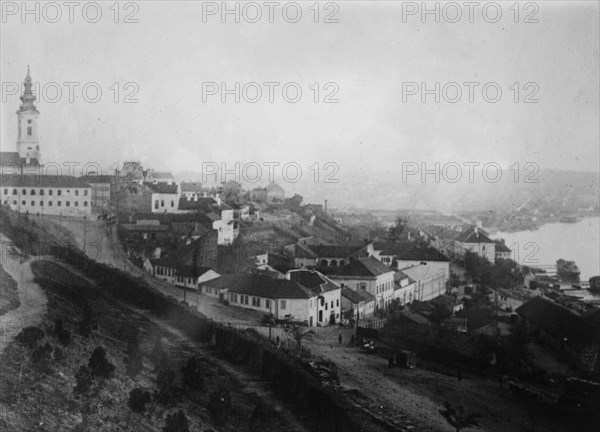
(165, 202)
(443, 266)
(65, 201)
(380, 287)
(429, 284)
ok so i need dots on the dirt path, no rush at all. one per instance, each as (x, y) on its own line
(33, 301)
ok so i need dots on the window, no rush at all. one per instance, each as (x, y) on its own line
(68, 203)
(14, 191)
(32, 192)
(24, 192)
(58, 203)
(49, 203)
(156, 204)
(42, 203)
(337, 302)
(59, 192)
(33, 203)
(85, 192)
(23, 202)
(85, 203)
(268, 304)
(50, 192)
(76, 203)
(76, 193)
(172, 203)
(41, 191)
(282, 304)
(29, 130)
(162, 203)
(15, 202)
(5, 191)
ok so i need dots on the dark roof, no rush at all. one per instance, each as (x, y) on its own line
(192, 187)
(160, 174)
(357, 296)
(188, 271)
(162, 188)
(260, 286)
(51, 181)
(363, 267)
(100, 178)
(471, 236)
(501, 247)
(12, 159)
(313, 280)
(171, 261)
(560, 322)
(412, 317)
(336, 251)
(412, 251)
(205, 204)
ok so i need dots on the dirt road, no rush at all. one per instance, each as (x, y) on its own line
(33, 301)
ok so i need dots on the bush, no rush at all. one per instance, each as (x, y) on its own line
(167, 390)
(192, 373)
(64, 336)
(134, 362)
(42, 354)
(84, 380)
(30, 336)
(219, 403)
(87, 323)
(99, 365)
(138, 398)
(177, 422)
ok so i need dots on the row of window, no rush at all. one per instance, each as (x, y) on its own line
(385, 287)
(41, 192)
(162, 204)
(256, 301)
(49, 203)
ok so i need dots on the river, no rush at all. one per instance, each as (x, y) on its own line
(579, 242)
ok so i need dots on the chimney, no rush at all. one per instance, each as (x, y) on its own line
(477, 232)
(325, 207)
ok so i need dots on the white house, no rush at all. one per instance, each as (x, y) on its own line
(475, 240)
(165, 197)
(190, 277)
(430, 282)
(50, 195)
(357, 304)
(367, 274)
(326, 307)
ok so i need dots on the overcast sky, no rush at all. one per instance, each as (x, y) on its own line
(368, 54)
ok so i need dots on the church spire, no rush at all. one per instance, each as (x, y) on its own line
(28, 97)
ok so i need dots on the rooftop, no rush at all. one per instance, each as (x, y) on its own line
(50, 181)
(260, 286)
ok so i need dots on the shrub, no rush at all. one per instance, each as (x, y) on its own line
(219, 403)
(99, 365)
(167, 390)
(30, 336)
(177, 422)
(87, 323)
(64, 336)
(84, 380)
(42, 354)
(192, 373)
(138, 398)
(134, 362)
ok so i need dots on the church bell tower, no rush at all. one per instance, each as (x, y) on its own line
(28, 145)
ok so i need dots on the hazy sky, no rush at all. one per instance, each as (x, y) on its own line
(368, 54)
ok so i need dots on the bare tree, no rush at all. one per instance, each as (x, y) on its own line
(299, 333)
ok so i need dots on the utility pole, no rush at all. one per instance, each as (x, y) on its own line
(84, 219)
